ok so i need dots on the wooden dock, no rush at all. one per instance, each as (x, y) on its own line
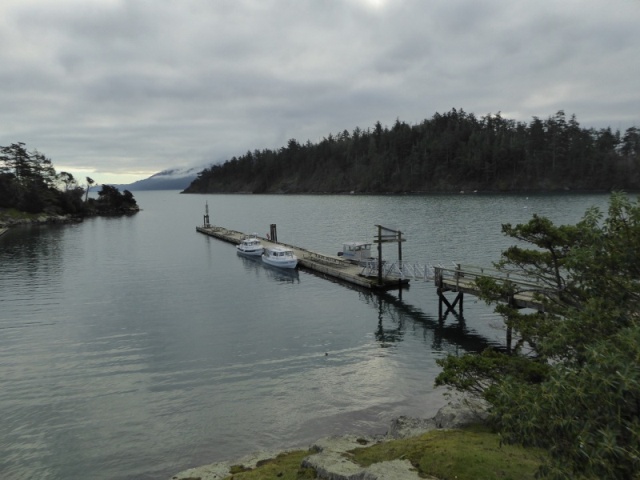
(461, 279)
(319, 263)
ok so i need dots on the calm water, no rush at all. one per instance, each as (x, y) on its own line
(136, 347)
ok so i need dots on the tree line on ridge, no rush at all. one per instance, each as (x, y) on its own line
(446, 153)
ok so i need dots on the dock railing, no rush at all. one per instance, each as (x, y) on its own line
(326, 260)
(402, 270)
(461, 272)
(462, 278)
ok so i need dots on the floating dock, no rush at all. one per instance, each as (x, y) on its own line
(324, 265)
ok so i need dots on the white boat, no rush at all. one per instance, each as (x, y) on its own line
(250, 246)
(358, 253)
(278, 256)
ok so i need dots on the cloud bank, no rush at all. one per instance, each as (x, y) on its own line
(122, 89)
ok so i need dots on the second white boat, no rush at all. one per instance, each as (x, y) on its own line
(282, 257)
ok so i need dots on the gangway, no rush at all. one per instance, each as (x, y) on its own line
(530, 292)
(400, 270)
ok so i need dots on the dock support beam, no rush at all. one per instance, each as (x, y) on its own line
(379, 255)
(387, 235)
(450, 306)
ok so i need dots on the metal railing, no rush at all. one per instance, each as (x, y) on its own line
(466, 274)
(402, 270)
(326, 260)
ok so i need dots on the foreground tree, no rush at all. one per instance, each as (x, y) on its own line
(571, 384)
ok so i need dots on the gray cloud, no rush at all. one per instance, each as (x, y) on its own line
(135, 86)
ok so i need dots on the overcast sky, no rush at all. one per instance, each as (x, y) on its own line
(121, 89)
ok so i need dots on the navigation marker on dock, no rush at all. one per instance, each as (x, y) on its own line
(206, 215)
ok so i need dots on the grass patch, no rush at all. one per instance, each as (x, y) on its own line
(470, 454)
(473, 453)
(285, 466)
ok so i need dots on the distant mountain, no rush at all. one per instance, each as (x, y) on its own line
(171, 179)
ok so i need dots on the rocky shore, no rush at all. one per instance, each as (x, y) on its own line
(43, 219)
(326, 455)
(7, 221)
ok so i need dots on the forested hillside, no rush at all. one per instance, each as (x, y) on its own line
(449, 152)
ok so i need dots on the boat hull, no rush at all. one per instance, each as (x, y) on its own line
(250, 246)
(280, 263)
(249, 252)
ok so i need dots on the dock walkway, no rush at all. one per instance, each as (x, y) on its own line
(462, 279)
(328, 265)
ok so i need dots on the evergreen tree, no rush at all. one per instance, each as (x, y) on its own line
(29, 183)
(571, 384)
(448, 152)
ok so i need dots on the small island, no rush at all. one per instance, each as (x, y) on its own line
(31, 191)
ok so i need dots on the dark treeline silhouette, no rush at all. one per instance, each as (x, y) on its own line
(29, 183)
(448, 152)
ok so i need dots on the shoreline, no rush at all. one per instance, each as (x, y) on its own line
(7, 221)
(462, 191)
(326, 454)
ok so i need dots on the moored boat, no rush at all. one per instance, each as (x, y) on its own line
(358, 253)
(278, 256)
(250, 246)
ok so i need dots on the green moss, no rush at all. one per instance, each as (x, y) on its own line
(474, 453)
(285, 466)
(238, 469)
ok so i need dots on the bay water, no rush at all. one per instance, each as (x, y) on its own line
(135, 347)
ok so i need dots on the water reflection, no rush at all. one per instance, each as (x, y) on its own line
(126, 331)
(395, 317)
(449, 334)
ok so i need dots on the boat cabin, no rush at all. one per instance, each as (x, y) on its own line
(356, 252)
(280, 252)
